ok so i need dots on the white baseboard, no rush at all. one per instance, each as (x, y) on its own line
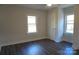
(21, 41)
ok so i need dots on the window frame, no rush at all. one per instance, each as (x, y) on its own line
(32, 23)
(65, 26)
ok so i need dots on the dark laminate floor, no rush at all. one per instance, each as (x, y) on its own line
(39, 47)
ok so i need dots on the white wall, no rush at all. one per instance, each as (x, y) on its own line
(60, 25)
(13, 24)
(76, 28)
(52, 19)
(68, 36)
(55, 24)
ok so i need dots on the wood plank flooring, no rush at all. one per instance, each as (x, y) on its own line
(39, 47)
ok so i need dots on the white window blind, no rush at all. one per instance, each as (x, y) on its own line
(70, 23)
(31, 24)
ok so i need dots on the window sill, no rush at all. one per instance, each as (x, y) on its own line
(68, 33)
(31, 33)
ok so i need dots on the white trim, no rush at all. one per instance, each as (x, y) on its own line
(23, 41)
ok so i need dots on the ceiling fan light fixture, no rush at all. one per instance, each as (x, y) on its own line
(49, 4)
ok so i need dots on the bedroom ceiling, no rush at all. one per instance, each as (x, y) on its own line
(39, 6)
(44, 6)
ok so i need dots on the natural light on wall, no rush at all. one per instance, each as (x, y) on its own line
(31, 24)
(70, 24)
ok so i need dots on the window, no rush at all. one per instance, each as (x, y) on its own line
(31, 24)
(69, 23)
